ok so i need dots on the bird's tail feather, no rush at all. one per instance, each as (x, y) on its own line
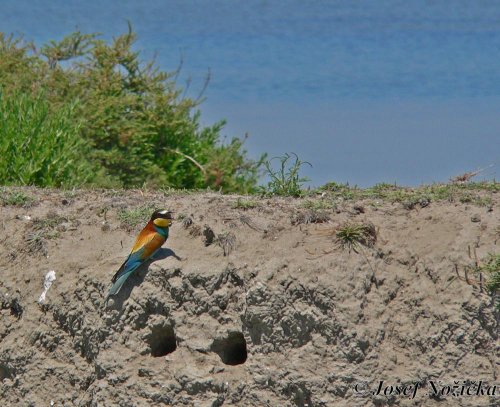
(118, 283)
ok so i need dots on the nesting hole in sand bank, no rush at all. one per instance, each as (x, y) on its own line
(162, 340)
(232, 350)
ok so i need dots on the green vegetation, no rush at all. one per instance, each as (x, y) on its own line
(244, 204)
(319, 205)
(48, 224)
(36, 243)
(356, 236)
(486, 272)
(85, 111)
(43, 229)
(285, 181)
(131, 218)
(470, 192)
(15, 198)
(352, 235)
(91, 112)
(490, 269)
(39, 147)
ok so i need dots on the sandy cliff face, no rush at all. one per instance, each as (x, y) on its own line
(272, 313)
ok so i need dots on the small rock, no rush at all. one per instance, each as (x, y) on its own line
(23, 217)
(475, 218)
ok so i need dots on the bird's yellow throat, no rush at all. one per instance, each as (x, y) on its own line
(162, 223)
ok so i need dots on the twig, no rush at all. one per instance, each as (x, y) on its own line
(468, 280)
(202, 169)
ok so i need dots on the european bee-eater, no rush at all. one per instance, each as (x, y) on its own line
(154, 234)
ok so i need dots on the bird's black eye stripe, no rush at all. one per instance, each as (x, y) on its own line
(158, 214)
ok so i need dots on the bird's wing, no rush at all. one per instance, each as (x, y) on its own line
(147, 234)
(145, 245)
(134, 260)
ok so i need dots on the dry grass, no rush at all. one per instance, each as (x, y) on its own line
(311, 216)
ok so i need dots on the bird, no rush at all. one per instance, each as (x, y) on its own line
(151, 238)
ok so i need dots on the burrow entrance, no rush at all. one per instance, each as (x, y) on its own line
(232, 350)
(162, 340)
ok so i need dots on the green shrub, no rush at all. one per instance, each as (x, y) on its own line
(141, 129)
(39, 146)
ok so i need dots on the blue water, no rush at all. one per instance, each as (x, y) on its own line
(367, 91)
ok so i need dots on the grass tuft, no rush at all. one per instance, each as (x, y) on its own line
(15, 198)
(351, 236)
(491, 268)
(227, 241)
(319, 204)
(244, 204)
(285, 181)
(311, 216)
(49, 223)
(43, 229)
(487, 272)
(131, 218)
(476, 193)
(36, 242)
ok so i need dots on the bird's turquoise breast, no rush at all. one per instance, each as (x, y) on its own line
(162, 231)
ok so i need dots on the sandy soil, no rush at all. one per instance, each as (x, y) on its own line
(272, 313)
